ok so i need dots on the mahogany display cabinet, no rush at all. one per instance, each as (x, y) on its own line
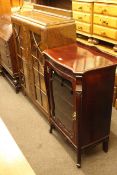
(79, 83)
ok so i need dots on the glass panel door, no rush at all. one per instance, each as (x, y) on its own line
(63, 103)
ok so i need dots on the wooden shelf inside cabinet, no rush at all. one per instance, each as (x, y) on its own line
(79, 82)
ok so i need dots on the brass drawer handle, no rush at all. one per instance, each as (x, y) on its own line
(103, 33)
(80, 18)
(80, 8)
(104, 11)
(79, 27)
(104, 22)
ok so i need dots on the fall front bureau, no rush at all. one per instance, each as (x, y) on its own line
(80, 84)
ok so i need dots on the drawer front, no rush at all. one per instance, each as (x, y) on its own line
(84, 17)
(105, 32)
(105, 21)
(5, 53)
(106, 9)
(82, 7)
(83, 27)
(6, 59)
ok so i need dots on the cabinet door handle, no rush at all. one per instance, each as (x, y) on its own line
(74, 116)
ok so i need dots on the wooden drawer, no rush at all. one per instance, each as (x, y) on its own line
(82, 6)
(83, 27)
(5, 53)
(106, 9)
(84, 17)
(105, 20)
(105, 32)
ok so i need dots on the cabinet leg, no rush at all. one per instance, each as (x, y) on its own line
(78, 159)
(105, 145)
(51, 128)
(0, 70)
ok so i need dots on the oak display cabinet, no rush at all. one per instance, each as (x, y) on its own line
(79, 83)
(35, 30)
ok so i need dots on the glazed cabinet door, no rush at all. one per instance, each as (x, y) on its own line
(61, 101)
(38, 71)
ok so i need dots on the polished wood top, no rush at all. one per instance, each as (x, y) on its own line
(12, 161)
(79, 59)
(41, 17)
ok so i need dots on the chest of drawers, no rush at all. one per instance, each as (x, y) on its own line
(105, 22)
(82, 13)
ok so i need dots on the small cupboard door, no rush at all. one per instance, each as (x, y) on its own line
(62, 104)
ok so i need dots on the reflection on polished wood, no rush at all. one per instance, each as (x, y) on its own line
(12, 161)
(78, 59)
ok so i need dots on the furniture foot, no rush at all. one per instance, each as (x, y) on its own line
(51, 128)
(78, 159)
(78, 165)
(17, 86)
(115, 48)
(90, 40)
(105, 145)
(1, 70)
(95, 41)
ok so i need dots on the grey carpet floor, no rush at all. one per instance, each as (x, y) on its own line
(51, 154)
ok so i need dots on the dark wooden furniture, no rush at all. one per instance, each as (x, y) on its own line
(115, 88)
(16, 3)
(8, 62)
(80, 86)
(36, 30)
(64, 4)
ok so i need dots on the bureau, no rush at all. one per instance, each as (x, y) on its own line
(34, 31)
(79, 83)
(8, 60)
